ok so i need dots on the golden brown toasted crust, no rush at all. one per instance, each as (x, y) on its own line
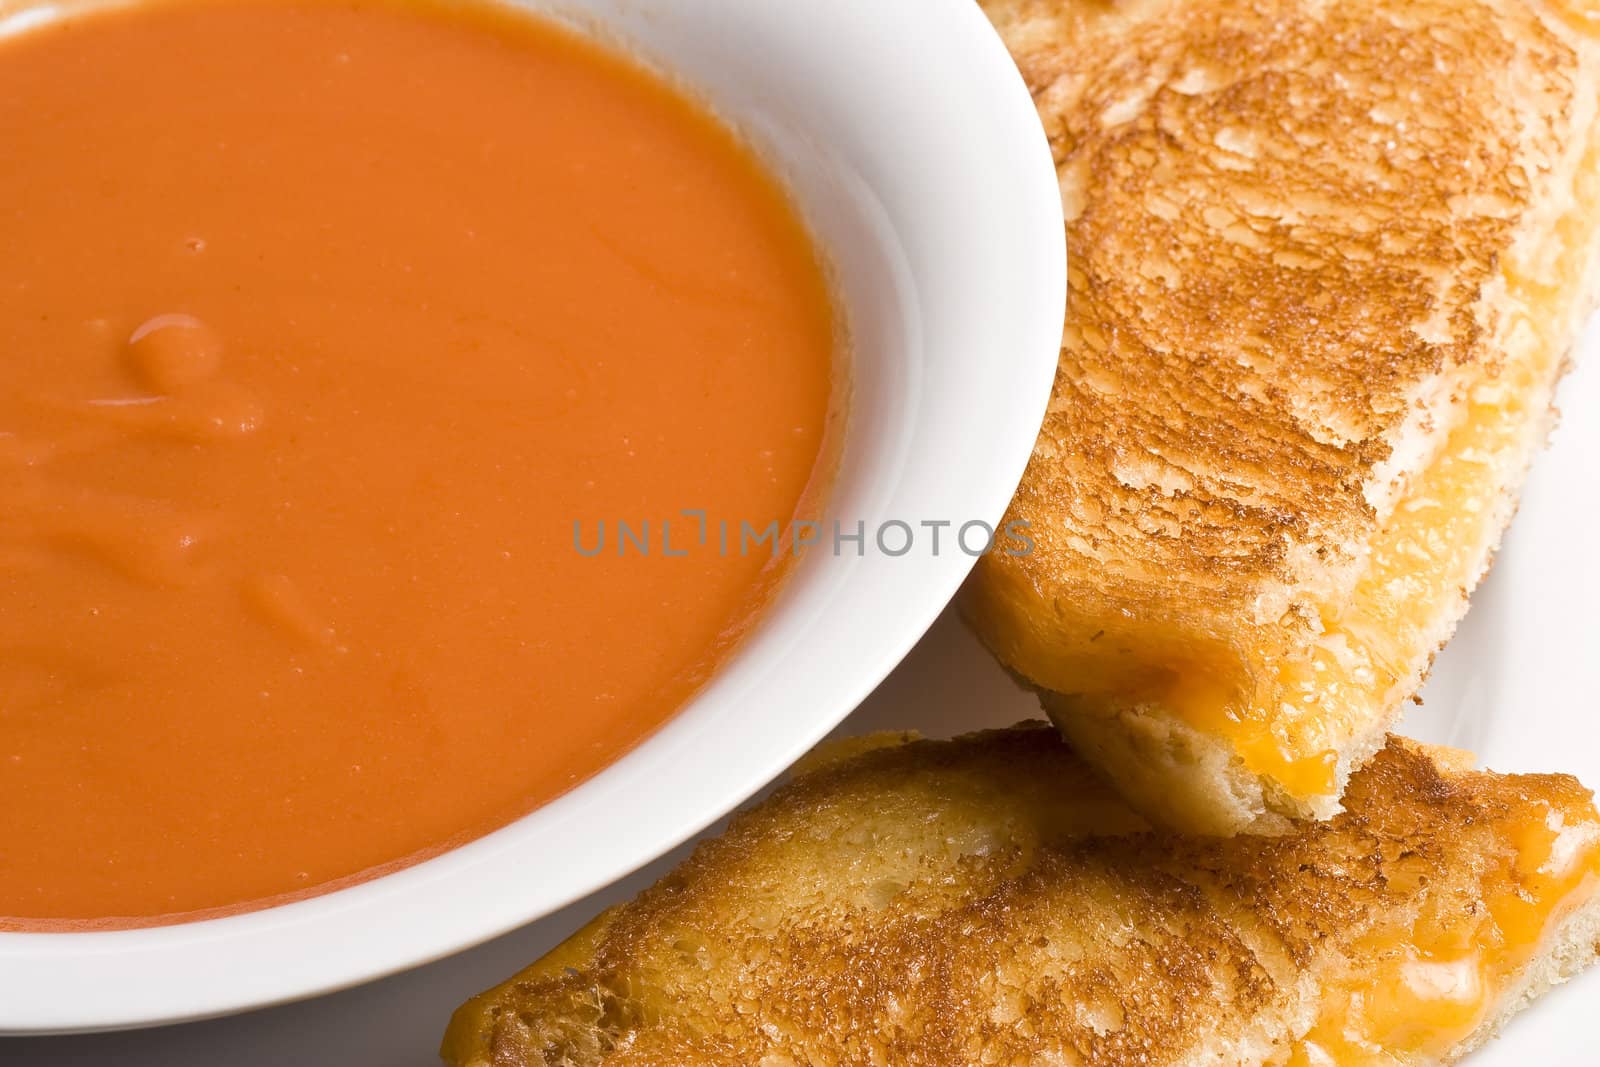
(1301, 234)
(986, 900)
(1267, 261)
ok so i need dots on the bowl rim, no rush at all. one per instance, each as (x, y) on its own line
(56, 982)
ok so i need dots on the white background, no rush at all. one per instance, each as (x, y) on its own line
(1520, 685)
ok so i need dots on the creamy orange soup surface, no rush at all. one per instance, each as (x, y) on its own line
(321, 324)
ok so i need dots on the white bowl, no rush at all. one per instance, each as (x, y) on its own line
(912, 146)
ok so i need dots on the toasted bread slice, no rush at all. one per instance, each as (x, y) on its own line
(1326, 262)
(990, 901)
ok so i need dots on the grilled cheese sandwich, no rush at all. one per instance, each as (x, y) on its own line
(990, 901)
(1327, 260)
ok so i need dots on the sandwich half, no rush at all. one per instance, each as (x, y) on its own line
(1327, 259)
(988, 900)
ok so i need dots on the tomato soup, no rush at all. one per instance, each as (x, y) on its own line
(321, 326)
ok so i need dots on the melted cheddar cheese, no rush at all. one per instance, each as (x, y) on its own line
(1437, 984)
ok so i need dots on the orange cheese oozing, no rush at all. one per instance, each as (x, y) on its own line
(321, 325)
(1435, 985)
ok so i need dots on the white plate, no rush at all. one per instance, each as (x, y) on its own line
(1518, 683)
